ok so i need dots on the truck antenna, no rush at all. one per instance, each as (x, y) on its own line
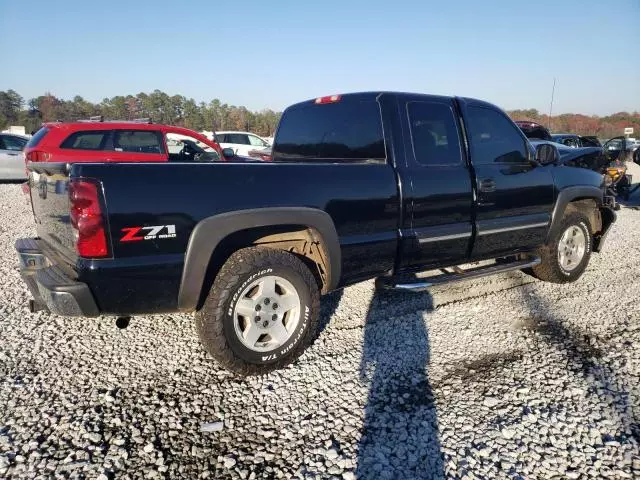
(553, 89)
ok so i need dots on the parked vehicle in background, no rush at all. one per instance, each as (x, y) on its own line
(575, 141)
(119, 141)
(622, 147)
(11, 156)
(241, 142)
(533, 130)
(632, 144)
(380, 184)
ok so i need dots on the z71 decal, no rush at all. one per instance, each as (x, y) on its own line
(136, 234)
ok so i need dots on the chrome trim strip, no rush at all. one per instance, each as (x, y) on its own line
(439, 238)
(513, 228)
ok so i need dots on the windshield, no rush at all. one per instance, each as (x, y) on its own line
(204, 146)
(176, 141)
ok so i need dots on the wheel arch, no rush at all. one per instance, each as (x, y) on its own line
(573, 195)
(214, 238)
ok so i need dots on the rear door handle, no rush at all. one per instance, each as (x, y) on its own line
(487, 185)
(12, 154)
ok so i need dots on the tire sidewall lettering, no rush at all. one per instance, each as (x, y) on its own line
(234, 297)
(298, 334)
(301, 330)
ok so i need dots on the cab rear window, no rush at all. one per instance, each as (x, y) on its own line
(341, 131)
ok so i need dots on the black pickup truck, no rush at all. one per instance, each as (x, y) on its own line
(361, 186)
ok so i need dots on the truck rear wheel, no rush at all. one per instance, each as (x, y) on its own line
(261, 312)
(566, 256)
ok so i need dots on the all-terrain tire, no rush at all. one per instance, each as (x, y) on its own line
(551, 268)
(216, 325)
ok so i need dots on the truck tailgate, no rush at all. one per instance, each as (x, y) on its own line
(50, 201)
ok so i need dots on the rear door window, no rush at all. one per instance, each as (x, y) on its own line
(86, 140)
(341, 131)
(137, 141)
(237, 138)
(494, 138)
(434, 133)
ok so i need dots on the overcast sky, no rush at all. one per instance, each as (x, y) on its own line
(269, 54)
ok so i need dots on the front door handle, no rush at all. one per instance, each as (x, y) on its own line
(487, 185)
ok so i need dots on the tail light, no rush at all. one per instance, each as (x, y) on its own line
(36, 156)
(87, 219)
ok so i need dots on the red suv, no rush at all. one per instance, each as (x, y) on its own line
(135, 141)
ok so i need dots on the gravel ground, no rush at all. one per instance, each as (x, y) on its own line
(505, 378)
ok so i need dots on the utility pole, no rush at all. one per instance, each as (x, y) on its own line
(553, 89)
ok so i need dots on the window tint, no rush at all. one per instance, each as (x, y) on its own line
(434, 133)
(571, 142)
(137, 141)
(494, 138)
(40, 134)
(237, 138)
(220, 138)
(256, 142)
(87, 140)
(346, 130)
(8, 142)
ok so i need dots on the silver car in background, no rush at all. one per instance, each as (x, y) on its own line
(11, 158)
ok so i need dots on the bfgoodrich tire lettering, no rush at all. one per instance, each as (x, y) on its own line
(554, 266)
(217, 323)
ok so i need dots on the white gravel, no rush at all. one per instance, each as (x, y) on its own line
(501, 380)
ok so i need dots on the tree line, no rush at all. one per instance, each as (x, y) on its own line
(158, 106)
(602, 127)
(216, 116)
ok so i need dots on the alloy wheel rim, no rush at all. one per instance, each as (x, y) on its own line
(571, 248)
(266, 313)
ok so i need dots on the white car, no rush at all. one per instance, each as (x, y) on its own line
(12, 165)
(241, 142)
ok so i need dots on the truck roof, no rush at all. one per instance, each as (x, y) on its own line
(373, 95)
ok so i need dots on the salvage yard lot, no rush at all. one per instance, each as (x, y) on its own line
(505, 378)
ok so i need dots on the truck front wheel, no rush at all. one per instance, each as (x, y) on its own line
(566, 256)
(261, 312)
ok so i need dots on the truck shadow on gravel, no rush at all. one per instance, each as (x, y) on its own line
(400, 437)
(584, 353)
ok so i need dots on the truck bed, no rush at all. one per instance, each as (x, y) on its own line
(362, 200)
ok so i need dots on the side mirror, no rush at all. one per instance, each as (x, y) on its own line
(547, 154)
(228, 152)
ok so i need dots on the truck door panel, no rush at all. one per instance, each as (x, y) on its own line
(437, 190)
(515, 196)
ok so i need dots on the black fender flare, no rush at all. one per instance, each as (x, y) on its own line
(568, 195)
(209, 232)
